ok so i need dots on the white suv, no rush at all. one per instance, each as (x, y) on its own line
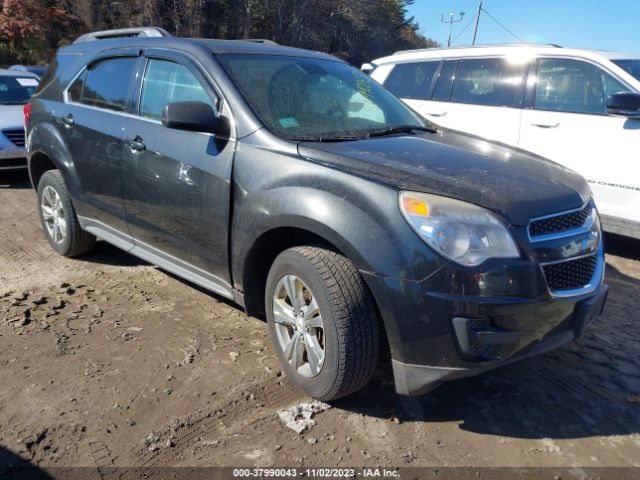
(562, 104)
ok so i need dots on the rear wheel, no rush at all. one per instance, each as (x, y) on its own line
(58, 217)
(323, 322)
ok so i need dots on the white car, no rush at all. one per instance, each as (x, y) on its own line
(562, 104)
(16, 88)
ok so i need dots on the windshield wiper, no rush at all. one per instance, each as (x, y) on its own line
(399, 129)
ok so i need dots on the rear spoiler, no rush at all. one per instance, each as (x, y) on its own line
(123, 33)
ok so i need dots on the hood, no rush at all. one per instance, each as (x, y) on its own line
(512, 183)
(11, 116)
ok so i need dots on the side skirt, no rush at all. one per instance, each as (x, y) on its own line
(156, 257)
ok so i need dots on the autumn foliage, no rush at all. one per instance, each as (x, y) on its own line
(356, 30)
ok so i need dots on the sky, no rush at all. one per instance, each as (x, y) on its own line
(591, 24)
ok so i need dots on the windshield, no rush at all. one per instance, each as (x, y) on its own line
(631, 66)
(316, 100)
(16, 90)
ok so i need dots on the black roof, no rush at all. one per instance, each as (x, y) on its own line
(196, 45)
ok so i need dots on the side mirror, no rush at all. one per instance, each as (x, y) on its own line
(195, 117)
(624, 104)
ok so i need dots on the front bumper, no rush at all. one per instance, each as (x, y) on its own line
(413, 379)
(459, 322)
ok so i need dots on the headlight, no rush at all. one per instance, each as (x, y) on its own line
(462, 232)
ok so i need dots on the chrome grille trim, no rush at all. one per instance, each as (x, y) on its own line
(585, 227)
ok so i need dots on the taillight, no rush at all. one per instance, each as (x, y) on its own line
(27, 112)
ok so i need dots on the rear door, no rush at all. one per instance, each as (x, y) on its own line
(92, 121)
(177, 183)
(481, 96)
(566, 121)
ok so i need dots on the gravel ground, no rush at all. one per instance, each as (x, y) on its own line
(108, 361)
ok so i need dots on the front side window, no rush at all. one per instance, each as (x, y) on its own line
(106, 83)
(411, 80)
(317, 100)
(16, 90)
(168, 82)
(567, 85)
(488, 81)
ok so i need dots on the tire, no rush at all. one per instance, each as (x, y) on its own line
(349, 339)
(55, 210)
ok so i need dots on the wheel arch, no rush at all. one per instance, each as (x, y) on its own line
(48, 151)
(270, 244)
(263, 252)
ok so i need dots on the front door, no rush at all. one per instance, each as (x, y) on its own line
(177, 183)
(567, 122)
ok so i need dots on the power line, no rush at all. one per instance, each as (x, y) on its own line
(451, 21)
(464, 29)
(495, 20)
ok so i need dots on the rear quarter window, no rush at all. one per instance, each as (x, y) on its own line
(411, 80)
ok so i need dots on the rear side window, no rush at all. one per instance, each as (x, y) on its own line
(488, 81)
(411, 80)
(105, 84)
(442, 90)
(167, 82)
(76, 88)
(567, 85)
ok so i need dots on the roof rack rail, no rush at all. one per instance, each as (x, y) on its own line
(123, 33)
(549, 45)
(257, 40)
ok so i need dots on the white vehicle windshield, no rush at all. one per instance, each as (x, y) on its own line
(631, 66)
(16, 90)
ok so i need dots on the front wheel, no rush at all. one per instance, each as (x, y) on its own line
(323, 322)
(58, 217)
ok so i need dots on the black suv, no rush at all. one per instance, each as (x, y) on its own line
(296, 186)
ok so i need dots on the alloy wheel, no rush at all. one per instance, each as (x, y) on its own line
(53, 215)
(299, 326)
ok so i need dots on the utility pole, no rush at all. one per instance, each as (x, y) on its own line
(475, 30)
(450, 21)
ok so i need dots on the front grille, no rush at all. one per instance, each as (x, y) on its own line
(572, 274)
(15, 136)
(560, 223)
(13, 163)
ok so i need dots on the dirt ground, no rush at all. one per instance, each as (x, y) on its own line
(109, 361)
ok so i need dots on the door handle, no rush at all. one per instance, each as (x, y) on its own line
(136, 143)
(436, 114)
(545, 123)
(68, 120)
